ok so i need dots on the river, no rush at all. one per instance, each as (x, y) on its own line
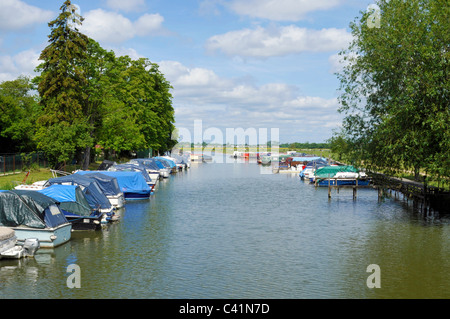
(233, 230)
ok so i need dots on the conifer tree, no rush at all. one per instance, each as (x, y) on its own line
(63, 127)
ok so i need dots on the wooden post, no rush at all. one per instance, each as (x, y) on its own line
(329, 187)
(354, 190)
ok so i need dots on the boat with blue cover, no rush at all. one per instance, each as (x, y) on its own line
(150, 165)
(108, 185)
(34, 215)
(132, 184)
(134, 168)
(74, 205)
(92, 191)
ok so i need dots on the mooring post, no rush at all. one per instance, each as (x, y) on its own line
(329, 187)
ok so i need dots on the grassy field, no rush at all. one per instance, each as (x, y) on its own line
(10, 180)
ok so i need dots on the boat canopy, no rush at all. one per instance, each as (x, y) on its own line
(29, 208)
(130, 181)
(330, 171)
(89, 186)
(71, 199)
(170, 163)
(148, 163)
(131, 168)
(108, 184)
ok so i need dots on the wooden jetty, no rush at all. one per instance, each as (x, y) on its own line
(333, 184)
(428, 199)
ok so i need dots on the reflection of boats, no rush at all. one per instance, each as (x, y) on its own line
(9, 247)
(34, 215)
(75, 206)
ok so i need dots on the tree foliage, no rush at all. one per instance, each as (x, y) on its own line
(18, 111)
(88, 96)
(395, 88)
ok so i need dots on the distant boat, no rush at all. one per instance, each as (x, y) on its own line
(134, 168)
(75, 206)
(311, 166)
(150, 165)
(266, 159)
(34, 215)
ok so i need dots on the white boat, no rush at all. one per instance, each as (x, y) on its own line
(34, 215)
(36, 186)
(11, 250)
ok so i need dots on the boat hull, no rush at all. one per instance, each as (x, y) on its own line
(343, 182)
(85, 222)
(117, 200)
(136, 196)
(48, 237)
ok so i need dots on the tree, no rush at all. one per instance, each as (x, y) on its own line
(395, 88)
(18, 110)
(64, 126)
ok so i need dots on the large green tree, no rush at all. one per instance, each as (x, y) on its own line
(64, 126)
(18, 111)
(395, 87)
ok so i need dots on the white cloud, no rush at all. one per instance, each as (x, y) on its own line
(278, 41)
(200, 93)
(280, 10)
(23, 63)
(112, 27)
(16, 14)
(338, 62)
(128, 5)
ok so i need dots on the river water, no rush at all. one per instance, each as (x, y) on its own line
(233, 230)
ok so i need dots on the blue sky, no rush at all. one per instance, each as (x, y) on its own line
(232, 63)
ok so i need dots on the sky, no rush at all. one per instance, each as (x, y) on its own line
(250, 64)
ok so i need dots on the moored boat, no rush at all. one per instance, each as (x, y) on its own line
(339, 175)
(9, 249)
(75, 206)
(34, 215)
(132, 184)
(108, 185)
(94, 195)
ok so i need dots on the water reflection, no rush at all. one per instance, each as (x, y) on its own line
(233, 230)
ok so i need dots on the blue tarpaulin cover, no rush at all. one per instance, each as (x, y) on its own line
(91, 190)
(29, 208)
(130, 182)
(131, 168)
(71, 199)
(170, 162)
(108, 184)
